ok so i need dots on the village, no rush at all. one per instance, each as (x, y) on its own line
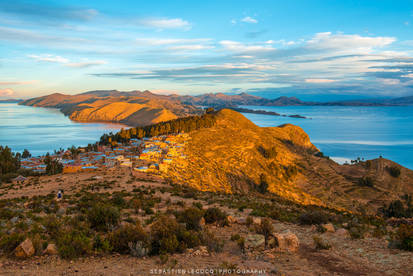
(147, 155)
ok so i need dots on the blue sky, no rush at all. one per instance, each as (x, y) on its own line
(311, 49)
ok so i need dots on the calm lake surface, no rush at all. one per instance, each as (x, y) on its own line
(345, 133)
(42, 130)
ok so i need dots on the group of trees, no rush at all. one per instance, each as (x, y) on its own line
(10, 163)
(185, 124)
(52, 165)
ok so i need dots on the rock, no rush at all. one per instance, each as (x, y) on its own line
(286, 242)
(201, 251)
(14, 220)
(61, 211)
(256, 220)
(231, 220)
(328, 227)
(51, 249)
(25, 249)
(312, 228)
(254, 241)
(343, 233)
(242, 220)
(202, 222)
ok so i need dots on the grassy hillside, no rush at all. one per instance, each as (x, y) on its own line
(135, 109)
(236, 156)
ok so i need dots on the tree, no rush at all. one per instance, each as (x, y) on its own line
(26, 154)
(52, 165)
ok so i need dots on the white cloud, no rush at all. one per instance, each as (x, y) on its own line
(17, 82)
(50, 58)
(85, 64)
(319, 80)
(66, 61)
(349, 43)
(249, 19)
(166, 23)
(6, 92)
(241, 47)
(169, 41)
(389, 81)
(233, 21)
(191, 47)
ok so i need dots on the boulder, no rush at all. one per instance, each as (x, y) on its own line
(202, 222)
(328, 227)
(231, 220)
(286, 242)
(256, 220)
(254, 241)
(25, 249)
(201, 251)
(342, 233)
(51, 249)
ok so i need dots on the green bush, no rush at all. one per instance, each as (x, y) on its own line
(103, 217)
(73, 244)
(266, 229)
(163, 234)
(321, 243)
(191, 217)
(216, 215)
(101, 244)
(121, 238)
(311, 218)
(366, 181)
(213, 243)
(404, 236)
(394, 171)
(9, 242)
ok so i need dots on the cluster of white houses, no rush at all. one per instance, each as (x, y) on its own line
(154, 155)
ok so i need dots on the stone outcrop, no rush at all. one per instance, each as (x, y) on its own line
(25, 249)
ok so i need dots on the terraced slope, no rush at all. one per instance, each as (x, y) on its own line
(236, 156)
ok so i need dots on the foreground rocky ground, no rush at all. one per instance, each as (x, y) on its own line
(292, 249)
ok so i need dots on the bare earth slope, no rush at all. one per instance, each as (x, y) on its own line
(237, 156)
(135, 108)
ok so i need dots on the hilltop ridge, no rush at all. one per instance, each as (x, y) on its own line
(131, 108)
(236, 156)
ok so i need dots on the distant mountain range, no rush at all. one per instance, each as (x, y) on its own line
(225, 100)
(144, 107)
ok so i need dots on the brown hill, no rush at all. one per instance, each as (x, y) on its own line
(236, 156)
(132, 108)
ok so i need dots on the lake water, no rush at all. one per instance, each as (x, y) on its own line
(42, 130)
(345, 133)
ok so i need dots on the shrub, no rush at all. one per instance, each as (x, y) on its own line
(214, 214)
(311, 218)
(249, 221)
(127, 235)
(321, 243)
(9, 242)
(394, 171)
(101, 244)
(213, 243)
(235, 237)
(241, 244)
(395, 209)
(404, 236)
(266, 229)
(73, 244)
(366, 181)
(163, 234)
(191, 217)
(103, 217)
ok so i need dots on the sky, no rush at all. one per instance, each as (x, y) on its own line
(311, 49)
